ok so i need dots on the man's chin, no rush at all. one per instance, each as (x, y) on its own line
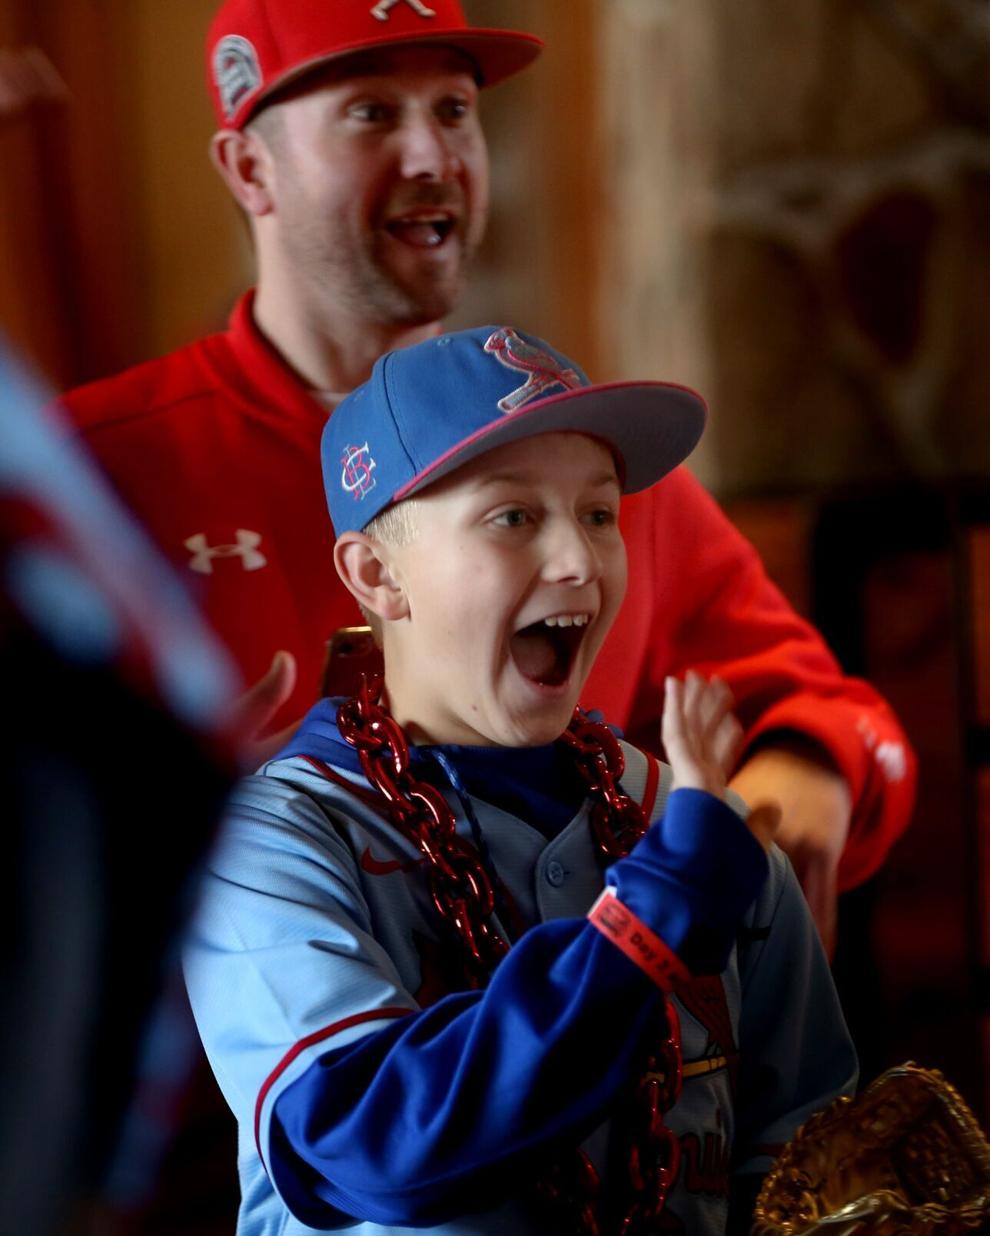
(414, 292)
(421, 304)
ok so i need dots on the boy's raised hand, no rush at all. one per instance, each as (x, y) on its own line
(701, 737)
(700, 734)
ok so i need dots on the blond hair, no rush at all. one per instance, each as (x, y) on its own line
(395, 527)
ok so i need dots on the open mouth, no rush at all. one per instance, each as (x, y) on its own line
(545, 651)
(421, 231)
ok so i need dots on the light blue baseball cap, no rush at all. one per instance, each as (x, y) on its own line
(430, 408)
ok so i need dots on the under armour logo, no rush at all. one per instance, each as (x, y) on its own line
(246, 548)
(235, 71)
(542, 370)
(891, 756)
(356, 478)
(384, 7)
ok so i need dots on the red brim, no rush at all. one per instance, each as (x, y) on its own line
(497, 53)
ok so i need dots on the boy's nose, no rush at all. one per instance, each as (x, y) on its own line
(571, 555)
(426, 152)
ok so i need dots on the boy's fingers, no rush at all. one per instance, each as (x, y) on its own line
(694, 689)
(672, 721)
(679, 739)
(715, 703)
(725, 742)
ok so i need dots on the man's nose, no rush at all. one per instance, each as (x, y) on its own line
(426, 152)
(572, 556)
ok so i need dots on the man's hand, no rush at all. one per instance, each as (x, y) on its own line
(816, 808)
(255, 708)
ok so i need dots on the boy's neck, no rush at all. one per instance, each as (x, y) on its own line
(420, 734)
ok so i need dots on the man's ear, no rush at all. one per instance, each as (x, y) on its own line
(364, 566)
(246, 165)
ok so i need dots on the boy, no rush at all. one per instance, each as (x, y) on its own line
(393, 1062)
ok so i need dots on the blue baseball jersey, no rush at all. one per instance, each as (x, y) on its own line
(373, 1096)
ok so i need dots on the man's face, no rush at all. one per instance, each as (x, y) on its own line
(514, 575)
(381, 183)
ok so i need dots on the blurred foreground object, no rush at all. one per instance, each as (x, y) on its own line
(905, 1156)
(27, 77)
(112, 774)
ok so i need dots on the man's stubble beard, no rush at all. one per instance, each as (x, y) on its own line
(340, 276)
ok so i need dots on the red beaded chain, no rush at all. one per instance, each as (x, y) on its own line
(464, 899)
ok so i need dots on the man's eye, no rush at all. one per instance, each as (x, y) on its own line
(370, 113)
(454, 109)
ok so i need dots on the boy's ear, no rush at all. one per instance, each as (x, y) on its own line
(363, 564)
(244, 161)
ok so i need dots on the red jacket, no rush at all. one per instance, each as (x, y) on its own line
(216, 448)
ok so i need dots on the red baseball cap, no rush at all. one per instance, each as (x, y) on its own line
(255, 47)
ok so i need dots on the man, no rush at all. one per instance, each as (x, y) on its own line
(350, 137)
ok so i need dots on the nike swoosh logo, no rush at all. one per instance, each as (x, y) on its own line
(385, 866)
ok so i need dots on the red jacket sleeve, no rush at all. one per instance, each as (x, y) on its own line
(699, 598)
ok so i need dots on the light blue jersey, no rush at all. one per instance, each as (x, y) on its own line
(319, 980)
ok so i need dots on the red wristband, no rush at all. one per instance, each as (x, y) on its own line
(618, 923)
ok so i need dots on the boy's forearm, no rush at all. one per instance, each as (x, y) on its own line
(387, 1129)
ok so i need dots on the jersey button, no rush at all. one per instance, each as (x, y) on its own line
(555, 874)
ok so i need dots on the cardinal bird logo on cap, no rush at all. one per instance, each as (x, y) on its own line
(384, 8)
(543, 371)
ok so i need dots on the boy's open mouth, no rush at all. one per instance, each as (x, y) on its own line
(544, 651)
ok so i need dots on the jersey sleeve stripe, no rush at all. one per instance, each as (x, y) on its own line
(316, 1037)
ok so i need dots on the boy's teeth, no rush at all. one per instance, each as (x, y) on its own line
(566, 620)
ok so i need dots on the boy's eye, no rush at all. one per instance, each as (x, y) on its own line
(516, 518)
(601, 517)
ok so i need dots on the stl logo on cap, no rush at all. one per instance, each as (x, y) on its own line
(356, 478)
(542, 370)
(384, 7)
(236, 71)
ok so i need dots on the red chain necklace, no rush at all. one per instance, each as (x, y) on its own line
(464, 899)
